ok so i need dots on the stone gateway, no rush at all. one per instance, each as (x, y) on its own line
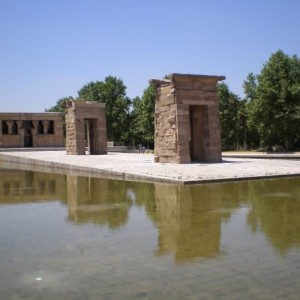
(85, 128)
(187, 122)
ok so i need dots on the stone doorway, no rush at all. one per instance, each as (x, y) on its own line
(198, 124)
(28, 137)
(28, 140)
(187, 123)
(90, 125)
(85, 128)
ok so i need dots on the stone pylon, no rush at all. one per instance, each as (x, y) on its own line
(85, 128)
(187, 122)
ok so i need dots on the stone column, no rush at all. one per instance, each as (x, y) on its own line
(9, 125)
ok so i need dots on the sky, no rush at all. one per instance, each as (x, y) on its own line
(49, 49)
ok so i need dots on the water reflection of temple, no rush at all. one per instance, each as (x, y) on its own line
(190, 218)
(107, 202)
(99, 201)
(18, 186)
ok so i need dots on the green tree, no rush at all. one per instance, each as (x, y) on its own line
(112, 92)
(275, 110)
(251, 138)
(143, 117)
(60, 105)
(232, 117)
(136, 131)
(242, 128)
(250, 87)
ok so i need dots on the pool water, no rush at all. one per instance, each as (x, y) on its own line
(70, 237)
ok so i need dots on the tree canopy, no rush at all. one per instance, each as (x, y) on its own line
(112, 92)
(232, 117)
(143, 117)
(268, 117)
(275, 108)
(60, 105)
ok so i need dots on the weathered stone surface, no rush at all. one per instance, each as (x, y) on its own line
(19, 130)
(187, 125)
(86, 128)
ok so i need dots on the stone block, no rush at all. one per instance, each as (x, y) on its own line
(165, 90)
(183, 111)
(175, 99)
(171, 119)
(94, 113)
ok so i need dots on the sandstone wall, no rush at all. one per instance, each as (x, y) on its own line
(16, 124)
(187, 125)
(85, 128)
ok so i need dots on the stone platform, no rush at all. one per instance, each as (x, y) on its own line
(141, 167)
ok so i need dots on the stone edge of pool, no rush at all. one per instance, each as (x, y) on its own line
(32, 164)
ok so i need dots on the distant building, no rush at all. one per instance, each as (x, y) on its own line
(22, 130)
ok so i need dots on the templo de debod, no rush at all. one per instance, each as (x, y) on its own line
(187, 121)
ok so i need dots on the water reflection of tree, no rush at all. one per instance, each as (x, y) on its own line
(276, 211)
(145, 197)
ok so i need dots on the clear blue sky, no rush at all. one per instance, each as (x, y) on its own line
(50, 48)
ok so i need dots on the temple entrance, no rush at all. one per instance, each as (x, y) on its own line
(86, 128)
(28, 140)
(91, 124)
(198, 121)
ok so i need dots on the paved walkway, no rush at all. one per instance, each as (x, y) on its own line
(141, 167)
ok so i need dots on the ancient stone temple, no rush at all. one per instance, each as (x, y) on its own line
(85, 128)
(19, 130)
(187, 124)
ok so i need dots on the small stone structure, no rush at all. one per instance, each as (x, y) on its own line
(85, 127)
(19, 130)
(187, 124)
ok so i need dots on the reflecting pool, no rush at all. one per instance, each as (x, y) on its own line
(70, 237)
